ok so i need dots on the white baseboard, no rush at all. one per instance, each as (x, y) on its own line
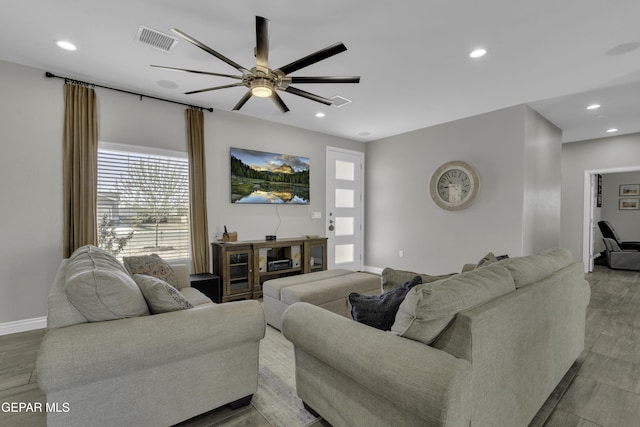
(23, 325)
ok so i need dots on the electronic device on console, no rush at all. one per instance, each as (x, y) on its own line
(278, 264)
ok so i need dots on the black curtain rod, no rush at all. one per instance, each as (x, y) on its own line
(80, 82)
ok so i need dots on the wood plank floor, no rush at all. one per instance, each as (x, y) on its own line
(604, 388)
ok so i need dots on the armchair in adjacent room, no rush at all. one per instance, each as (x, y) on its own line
(609, 233)
(621, 259)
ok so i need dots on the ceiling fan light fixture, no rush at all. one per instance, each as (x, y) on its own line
(262, 88)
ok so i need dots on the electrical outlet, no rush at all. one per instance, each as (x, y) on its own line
(316, 215)
(401, 253)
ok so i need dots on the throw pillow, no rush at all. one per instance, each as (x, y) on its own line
(99, 287)
(428, 309)
(160, 296)
(151, 265)
(379, 311)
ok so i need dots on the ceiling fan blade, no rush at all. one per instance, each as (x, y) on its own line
(207, 49)
(242, 101)
(325, 53)
(262, 44)
(327, 79)
(197, 72)
(214, 88)
(279, 102)
(309, 95)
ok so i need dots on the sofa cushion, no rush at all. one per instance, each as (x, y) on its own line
(428, 309)
(160, 296)
(379, 311)
(99, 287)
(195, 297)
(392, 278)
(273, 288)
(151, 265)
(533, 268)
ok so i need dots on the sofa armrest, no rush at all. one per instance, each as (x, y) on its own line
(89, 352)
(183, 275)
(426, 381)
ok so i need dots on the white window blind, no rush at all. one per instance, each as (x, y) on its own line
(143, 202)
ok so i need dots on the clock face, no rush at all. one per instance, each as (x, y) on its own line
(454, 185)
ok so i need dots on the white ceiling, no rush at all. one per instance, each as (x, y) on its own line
(557, 56)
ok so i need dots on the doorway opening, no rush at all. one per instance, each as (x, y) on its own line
(590, 222)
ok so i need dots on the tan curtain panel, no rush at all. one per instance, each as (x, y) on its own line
(197, 192)
(80, 145)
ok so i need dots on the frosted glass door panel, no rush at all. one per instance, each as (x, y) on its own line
(344, 254)
(344, 226)
(345, 170)
(344, 198)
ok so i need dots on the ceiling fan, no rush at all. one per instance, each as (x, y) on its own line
(264, 82)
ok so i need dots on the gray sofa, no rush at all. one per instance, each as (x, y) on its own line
(140, 369)
(480, 348)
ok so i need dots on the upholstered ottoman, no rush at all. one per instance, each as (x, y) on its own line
(327, 289)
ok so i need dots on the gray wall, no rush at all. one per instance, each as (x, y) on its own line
(225, 130)
(542, 183)
(516, 153)
(604, 155)
(31, 116)
(31, 113)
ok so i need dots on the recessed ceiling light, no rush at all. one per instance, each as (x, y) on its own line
(66, 45)
(593, 107)
(320, 114)
(478, 53)
(612, 130)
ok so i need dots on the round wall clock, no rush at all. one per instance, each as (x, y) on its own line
(454, 185)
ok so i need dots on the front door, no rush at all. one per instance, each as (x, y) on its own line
(345, 170)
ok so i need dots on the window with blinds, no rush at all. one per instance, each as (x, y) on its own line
(143, 201)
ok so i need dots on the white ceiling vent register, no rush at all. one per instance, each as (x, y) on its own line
(340, 101)
(155, 39)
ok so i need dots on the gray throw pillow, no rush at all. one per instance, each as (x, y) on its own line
(99, 287)
(161, 296)
(379, 311)
(151, 265)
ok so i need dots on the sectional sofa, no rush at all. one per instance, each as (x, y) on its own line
(481, 348)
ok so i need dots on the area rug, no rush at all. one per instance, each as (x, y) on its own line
(276, 397)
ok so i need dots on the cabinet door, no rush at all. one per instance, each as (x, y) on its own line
(239, 274)
(315, 256)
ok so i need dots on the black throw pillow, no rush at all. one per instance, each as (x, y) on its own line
(379, 311)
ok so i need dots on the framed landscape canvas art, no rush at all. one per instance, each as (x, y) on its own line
(266, 178)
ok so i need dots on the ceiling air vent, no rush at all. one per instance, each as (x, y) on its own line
(340, 101)
(155, 39)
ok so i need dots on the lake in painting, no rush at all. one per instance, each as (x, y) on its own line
(262, 177)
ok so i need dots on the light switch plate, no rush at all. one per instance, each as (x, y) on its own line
(316, 215)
